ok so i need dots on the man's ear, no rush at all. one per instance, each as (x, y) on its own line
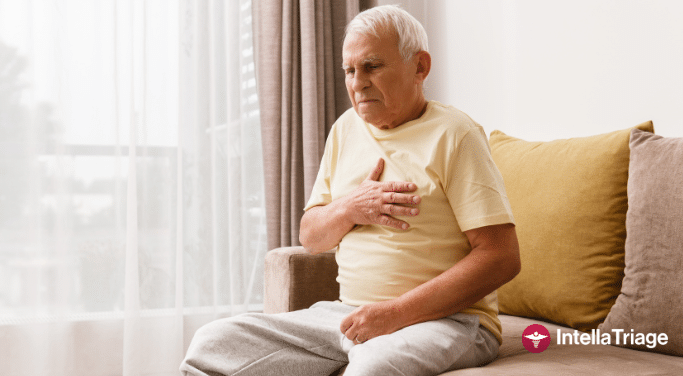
(424, 65)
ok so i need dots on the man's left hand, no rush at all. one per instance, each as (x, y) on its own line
(370, 321)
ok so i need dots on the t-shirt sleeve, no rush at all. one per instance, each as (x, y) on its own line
(321, 194)
(475, 187)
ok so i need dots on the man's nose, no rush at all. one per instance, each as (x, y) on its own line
(360, 81)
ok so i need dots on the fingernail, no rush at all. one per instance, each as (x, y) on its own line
(416, 199)
(405, 226)
(414, 212)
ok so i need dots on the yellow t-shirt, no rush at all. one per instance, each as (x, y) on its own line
(446, 154)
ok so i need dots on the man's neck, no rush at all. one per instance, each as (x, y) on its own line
(418, 110)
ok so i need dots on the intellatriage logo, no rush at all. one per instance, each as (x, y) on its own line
(536, 338)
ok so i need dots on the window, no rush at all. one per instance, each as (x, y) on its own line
(131, 177)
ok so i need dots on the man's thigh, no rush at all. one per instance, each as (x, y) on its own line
(301, 342)
(428, 348)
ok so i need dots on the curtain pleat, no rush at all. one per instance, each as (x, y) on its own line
(301, 92)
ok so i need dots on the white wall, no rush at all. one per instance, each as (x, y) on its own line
(540, 70)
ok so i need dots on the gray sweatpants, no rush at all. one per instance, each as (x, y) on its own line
(309, 342)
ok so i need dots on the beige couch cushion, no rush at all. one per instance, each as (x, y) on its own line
(651, 299)
(569, 201)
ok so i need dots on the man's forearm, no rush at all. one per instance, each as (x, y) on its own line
(323, 227)
(467, 282)
(489, 265)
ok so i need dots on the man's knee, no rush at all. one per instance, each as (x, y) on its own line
(211, 343)
(213, 336)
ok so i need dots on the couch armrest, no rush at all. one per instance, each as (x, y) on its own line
(295, 279)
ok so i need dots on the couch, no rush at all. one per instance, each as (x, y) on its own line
(600, 225)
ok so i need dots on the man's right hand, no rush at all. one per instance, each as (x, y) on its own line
(375, 202)
(372, 202)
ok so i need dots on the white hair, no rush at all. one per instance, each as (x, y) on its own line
(412, 37)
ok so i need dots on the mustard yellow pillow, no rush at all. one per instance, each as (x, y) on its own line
(569, 202)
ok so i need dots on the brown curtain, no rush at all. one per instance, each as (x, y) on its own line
(301, 93)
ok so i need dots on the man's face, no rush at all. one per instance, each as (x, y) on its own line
(385, 90)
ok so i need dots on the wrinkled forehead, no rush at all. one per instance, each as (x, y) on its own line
(359, 47)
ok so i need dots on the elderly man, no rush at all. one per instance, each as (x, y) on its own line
(408, 193)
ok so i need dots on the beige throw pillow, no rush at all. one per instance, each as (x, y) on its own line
(651, 299)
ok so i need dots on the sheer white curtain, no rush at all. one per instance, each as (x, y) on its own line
(131, 194)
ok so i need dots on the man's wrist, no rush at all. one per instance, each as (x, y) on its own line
(399, 312)
(342, 213)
